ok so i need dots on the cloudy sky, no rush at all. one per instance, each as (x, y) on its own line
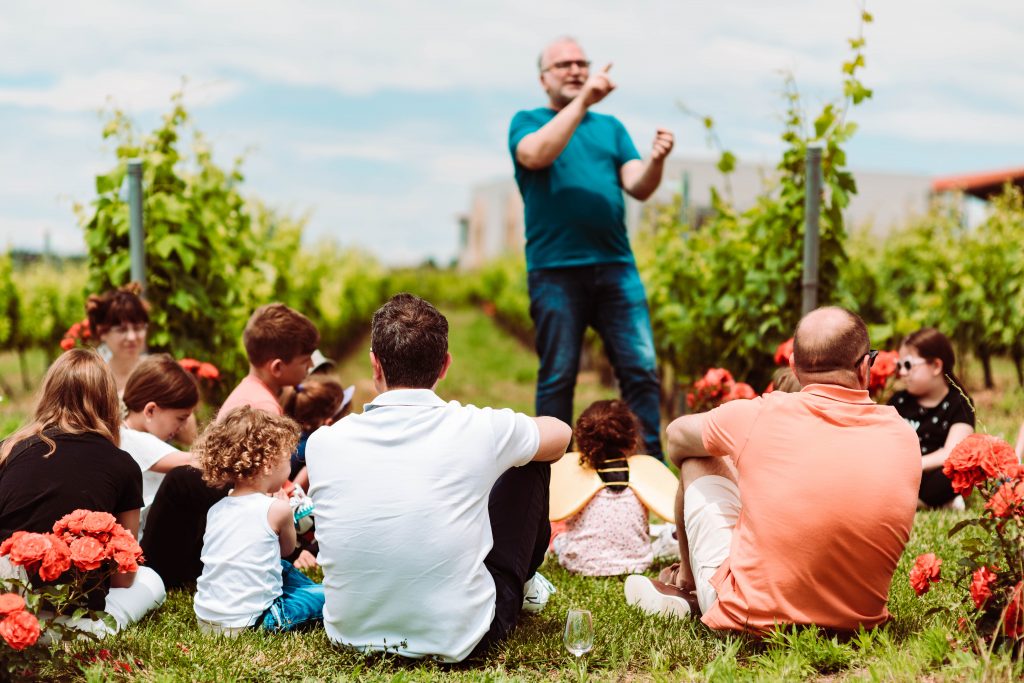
(378, 117)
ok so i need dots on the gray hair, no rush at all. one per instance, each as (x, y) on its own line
(556, 41)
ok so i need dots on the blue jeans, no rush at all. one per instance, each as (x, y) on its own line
(611, 299)
(301, 603)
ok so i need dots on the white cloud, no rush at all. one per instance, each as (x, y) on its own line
(944, 123)
(944, 72)
(363, 47)
(135, 91)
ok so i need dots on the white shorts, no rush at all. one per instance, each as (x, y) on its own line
(711, 506)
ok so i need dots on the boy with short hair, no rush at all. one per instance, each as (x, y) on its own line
(279, 342)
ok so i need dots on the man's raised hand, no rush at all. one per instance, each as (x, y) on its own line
(664, 140)
(597, 86)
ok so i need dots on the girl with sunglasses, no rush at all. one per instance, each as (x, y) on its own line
(935, 403)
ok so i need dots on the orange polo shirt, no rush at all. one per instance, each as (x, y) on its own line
(828, 481)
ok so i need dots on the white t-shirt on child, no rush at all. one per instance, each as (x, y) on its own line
(401, 495)
(241, 562)
(147, 450)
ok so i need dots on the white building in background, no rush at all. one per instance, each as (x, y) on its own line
(494, 223)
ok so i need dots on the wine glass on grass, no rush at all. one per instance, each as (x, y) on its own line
(579, 633)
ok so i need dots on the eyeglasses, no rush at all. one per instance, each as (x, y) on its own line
(872, 354)
(581, 64)
(907, 364)
(125, 329)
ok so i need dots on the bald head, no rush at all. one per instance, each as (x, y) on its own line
(829, 345)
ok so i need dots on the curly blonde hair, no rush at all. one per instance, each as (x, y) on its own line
(244, 444)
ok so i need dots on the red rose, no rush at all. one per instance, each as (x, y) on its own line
(208, 371)
(20, 630)
(5, 547)
(784, 352)
(977, 458)
(1007, 499)
(883, 368)
(57, 559)
(740, 390)
(70, 523)
(981, 586)
(67, 343)
(926, 571)
(11, 603)
(1013, 616)
(88, 553)
(189, 364)
(99, 525)
(28, 550)
(125, 551)
(718, 377)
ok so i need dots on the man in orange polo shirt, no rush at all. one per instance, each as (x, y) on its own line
(828, 481)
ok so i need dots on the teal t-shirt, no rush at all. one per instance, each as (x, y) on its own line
(575, 212)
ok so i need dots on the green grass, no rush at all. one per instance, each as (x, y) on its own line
(628, 645)
(492, 369)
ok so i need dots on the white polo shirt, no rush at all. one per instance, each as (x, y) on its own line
(401, 495)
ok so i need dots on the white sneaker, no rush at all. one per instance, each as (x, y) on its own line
(536, 593)
(664, 542)
(655, 597)
(956, 504)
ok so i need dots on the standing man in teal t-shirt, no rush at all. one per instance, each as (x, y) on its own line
(572, 166)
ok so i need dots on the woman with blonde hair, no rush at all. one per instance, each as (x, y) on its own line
(68, 458)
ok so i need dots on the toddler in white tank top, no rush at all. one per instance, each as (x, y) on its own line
(245, 583)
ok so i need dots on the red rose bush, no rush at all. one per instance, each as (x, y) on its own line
(78, 334)
(82, 552)
(710, 390)
(200, 369)
(990, 574)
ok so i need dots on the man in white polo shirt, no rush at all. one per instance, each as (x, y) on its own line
(413, 560)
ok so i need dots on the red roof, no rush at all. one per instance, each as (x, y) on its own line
(983, 185)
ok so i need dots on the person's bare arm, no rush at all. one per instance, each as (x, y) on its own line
(302, 478)
(639, 178)
(540, 148)
(1020, 443)
(554, 439)
(279, 516)
(957, 433)
(685, 438)
(129, 519)
(172, 460)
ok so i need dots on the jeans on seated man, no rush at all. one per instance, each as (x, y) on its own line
(431, 515)
(794, 508)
